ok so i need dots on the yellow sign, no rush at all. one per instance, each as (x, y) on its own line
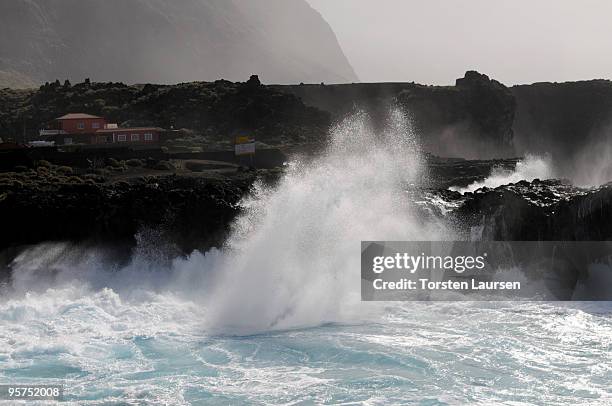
(244, 145)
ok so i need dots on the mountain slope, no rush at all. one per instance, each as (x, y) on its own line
(162, 41)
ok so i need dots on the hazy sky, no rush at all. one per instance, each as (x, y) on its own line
(436, 41)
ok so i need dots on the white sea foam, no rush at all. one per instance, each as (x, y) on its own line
(530, 168)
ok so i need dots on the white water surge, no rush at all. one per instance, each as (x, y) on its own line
(530, 168)
(275, 316)
(295, 252)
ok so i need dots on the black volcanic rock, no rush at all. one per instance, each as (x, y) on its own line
(192, 212)
(161, 41)
(490, 104)
(550, 210)
(572, 227)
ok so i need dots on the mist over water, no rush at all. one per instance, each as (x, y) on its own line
(530, 168)
(590, 165)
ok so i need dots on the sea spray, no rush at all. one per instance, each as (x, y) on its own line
(293, 255)
(530, 168)
(295, 251)
(591, 165)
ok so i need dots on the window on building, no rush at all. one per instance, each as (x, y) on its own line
(148, 136)
(135, 137)
(67, 141)
(121, 137)
(81, 125)
(95, 125)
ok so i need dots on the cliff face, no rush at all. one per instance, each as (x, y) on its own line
(481, 118)
(572, 121)
(161, 41)
(471, 120)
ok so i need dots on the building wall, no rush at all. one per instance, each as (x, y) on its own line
(128, 136)
(82, 126)
(69, 139)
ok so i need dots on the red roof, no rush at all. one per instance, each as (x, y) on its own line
(127, 130)
(76, 116)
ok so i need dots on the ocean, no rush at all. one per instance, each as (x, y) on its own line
(154, 350)
(275, 317)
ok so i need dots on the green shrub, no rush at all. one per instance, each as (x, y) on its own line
(43, 163)
(113, 162)
(150, 162)
(164, 166)
(64, 170)
(93, 178)
(195, 166)
(200, 166)
(101, 172)
(134, 162)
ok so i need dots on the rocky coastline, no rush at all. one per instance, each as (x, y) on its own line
(541, 210)
(190, 211)
(194, 210)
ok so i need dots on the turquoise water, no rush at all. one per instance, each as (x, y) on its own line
(107, 350)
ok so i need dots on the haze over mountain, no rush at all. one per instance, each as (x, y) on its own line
(162, 41)
(431, 41)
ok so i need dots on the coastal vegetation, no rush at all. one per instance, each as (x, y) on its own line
(213, 110)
